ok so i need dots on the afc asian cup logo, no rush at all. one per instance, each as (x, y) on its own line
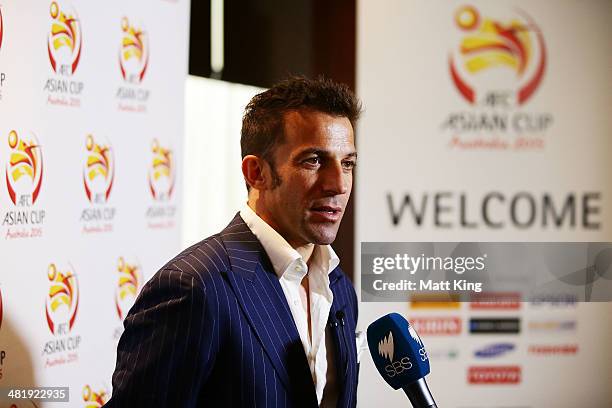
(94, 399)
(64, 40)
(99, 170)
(128, 286)
(134, 52)
(62, 301)
(24, 169)
(1, 28)
(493, 52)
(161, 172)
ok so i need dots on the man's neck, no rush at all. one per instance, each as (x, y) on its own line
(305, 250)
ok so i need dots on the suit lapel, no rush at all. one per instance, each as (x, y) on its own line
(338, 310)
(263, 302)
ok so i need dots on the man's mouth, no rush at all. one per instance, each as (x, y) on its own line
(327, 208)
(327, 212)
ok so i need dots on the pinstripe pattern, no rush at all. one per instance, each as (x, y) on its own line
(213, 328)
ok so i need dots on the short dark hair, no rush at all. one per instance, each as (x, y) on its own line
(263, 120)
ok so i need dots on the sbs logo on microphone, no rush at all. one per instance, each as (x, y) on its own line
(386, 349)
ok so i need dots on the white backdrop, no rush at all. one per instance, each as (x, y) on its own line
(91, 124)
(214, 186)
(421, 137)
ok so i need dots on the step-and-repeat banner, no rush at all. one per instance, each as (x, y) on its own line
(91, 125)
(490, 121)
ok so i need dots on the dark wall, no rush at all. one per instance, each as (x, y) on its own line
(266, 40)
(199, 38)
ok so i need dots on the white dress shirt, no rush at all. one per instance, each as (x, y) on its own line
(290, 267)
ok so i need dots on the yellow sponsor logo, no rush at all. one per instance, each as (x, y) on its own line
(435, 301)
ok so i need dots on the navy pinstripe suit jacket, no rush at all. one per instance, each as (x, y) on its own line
(212, 328)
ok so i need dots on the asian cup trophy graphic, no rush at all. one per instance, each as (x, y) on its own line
(65, 40)
(133, 53)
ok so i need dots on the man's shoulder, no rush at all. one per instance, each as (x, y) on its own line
(205, 260)
(209, 258)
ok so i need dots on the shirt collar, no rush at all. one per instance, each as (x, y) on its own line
(281, 254)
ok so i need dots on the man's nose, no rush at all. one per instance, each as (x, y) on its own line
(334, 180)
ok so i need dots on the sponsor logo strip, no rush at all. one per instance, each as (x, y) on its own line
(495, 301)
(494, 375)
(494, 350)
(486, 326)
(437, 325)
(553, 349)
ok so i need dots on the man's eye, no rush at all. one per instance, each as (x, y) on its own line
(349, 164)
(313, 160)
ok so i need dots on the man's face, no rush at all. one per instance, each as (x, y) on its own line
(315, 165)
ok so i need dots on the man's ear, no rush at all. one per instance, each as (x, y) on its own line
(256, 172)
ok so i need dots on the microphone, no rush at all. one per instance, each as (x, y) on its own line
(340, 317)
(401, 358)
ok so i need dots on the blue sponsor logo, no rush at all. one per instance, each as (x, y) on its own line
(494, 350)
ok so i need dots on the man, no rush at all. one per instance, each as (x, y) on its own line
(259, 314)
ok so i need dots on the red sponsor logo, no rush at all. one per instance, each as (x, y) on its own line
(555, 349)
(441, 326)
(494, 375)
(495, 301)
